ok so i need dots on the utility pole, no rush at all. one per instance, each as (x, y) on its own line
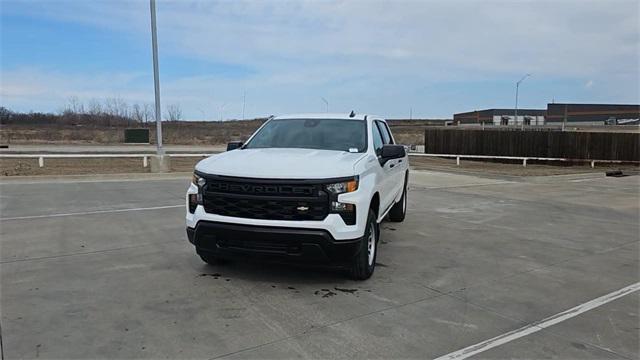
(410, 113)
(222, 110)
(516, 110)
(326, 103)
(156, 79)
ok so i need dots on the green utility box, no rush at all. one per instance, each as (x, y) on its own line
(136, 136)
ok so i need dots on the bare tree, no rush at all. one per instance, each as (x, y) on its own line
(148, 112)
(123, 108)
(174, 113)
(137, 113)
(75, 105)
(111, 106)
(5, 113)
(94, 107)
(117, 107)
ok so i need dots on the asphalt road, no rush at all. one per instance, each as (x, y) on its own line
(100, 268)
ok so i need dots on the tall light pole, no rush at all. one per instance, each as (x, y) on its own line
(244, 100)
(156, 79)
(222, 110)
(326, 103)
(516, 110)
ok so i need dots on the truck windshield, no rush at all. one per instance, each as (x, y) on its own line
(324, 134)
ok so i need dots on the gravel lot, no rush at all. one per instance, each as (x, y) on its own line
(99, 267)
(87, 166)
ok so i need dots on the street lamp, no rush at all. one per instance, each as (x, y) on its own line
(515, 119)
(222, 110)
(156, 79)
(244, 100)
(326, 103)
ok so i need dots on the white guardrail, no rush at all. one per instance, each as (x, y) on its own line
(145, 157)
(523, 158)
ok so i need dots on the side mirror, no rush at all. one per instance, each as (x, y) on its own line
(392, 152)
(234, 145)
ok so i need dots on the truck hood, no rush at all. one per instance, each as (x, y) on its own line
(277, 163)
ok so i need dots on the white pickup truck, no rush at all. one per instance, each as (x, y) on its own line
(307, 188)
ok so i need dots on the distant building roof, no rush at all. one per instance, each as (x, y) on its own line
(557, 112)
(505, 112)
(486, 115)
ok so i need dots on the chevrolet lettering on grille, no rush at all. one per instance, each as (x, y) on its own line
(260, 189)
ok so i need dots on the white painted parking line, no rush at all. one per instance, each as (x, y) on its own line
(583, 180)
(436, 187)
(90, 212)
(539, 325)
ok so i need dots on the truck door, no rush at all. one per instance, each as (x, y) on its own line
(395, 165)
(385, 170)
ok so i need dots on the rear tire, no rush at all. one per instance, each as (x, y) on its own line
(364, 263)
(399, 210)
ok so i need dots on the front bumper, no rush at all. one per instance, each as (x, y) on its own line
(277, 243)
(333, 223)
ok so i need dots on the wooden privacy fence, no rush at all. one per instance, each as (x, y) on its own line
(543, 144)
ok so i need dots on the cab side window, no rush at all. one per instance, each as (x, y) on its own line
(377, 140)
(384, 130)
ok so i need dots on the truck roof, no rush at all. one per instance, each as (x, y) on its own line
(342, 116)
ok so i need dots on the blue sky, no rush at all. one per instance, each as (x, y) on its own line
(382, 57)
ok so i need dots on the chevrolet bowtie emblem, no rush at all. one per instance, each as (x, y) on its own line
(302, 208)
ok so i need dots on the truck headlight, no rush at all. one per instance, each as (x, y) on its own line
(198, 180)
(346, 210)
(196, 199)
(338, 206)
(343, 187)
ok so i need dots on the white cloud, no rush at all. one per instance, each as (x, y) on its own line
(362, 49)
(37, 89)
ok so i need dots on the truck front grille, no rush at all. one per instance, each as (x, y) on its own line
(262, 199)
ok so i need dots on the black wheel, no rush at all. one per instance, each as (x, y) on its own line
(364, 262)
(212, 259)
(399, 210)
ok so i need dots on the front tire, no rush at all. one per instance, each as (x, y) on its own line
(364, 263)
(399, 210)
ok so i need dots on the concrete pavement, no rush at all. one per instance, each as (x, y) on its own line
(100, 268)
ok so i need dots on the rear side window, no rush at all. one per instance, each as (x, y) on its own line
(384, 130)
